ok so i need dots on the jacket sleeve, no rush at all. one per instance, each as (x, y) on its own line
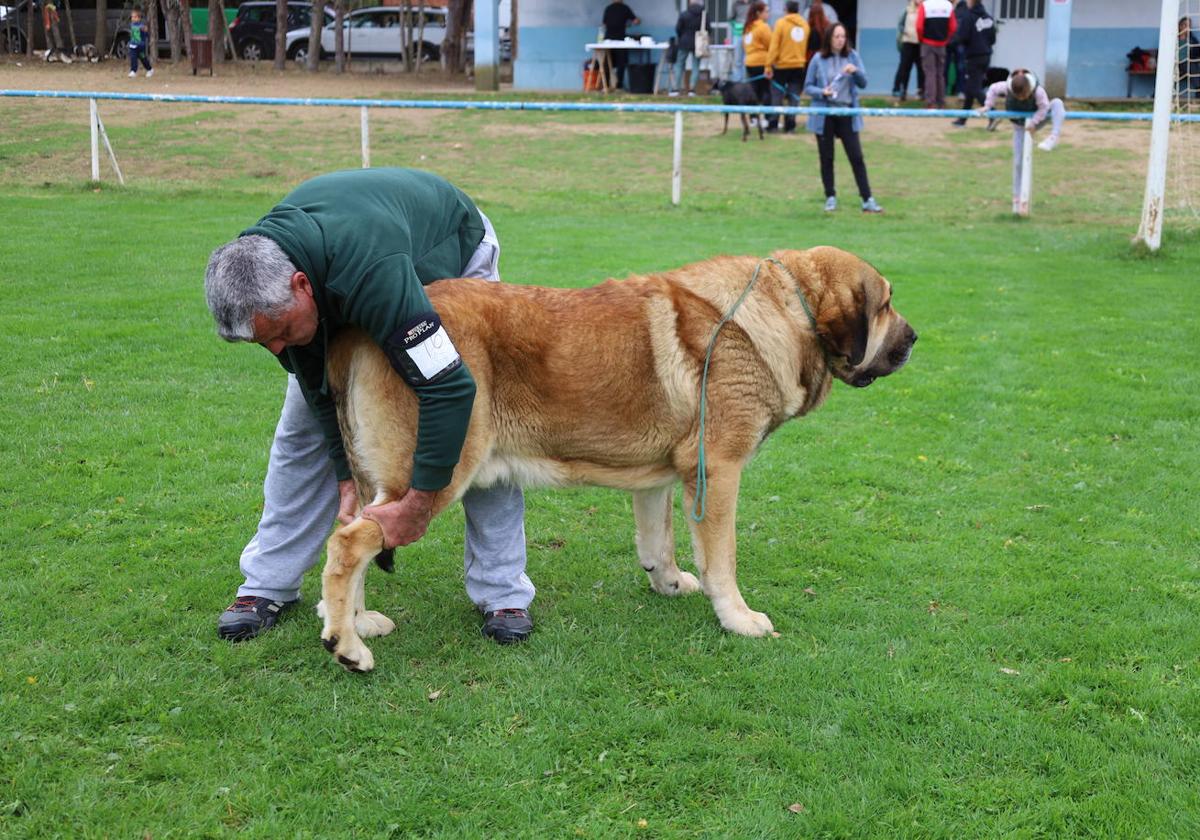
(1043, 106)
(812, 85)
(860, 75)
(776, 43)
(386, 298)
(921, 21)
(989, 98)
(953, 27)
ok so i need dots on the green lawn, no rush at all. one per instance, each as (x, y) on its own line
(984, 569)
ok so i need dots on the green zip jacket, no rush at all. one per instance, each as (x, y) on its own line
(369, 240)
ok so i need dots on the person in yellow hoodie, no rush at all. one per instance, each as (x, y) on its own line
(756, 41)
(786, 58)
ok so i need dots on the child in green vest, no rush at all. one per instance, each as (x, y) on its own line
(137, 44)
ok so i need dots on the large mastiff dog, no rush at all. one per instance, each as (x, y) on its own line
(603, 386)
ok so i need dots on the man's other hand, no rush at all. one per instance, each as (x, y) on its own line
(347, 501)
(405, 520)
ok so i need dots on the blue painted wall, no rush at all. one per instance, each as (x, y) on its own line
(1096, 65)
(552, 57)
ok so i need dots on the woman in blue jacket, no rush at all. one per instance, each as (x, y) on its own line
(833, 79)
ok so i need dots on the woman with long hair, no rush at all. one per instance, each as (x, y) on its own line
(834, 78)
(756, 40)
(818, 23)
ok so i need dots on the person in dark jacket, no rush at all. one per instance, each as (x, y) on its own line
(977, 34)
(617, 16)
(355, 249)
(689, 23)
(956, 50)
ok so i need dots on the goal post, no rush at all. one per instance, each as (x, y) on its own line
(1154, 201)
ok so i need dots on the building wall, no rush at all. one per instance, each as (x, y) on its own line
(553, 33)
(550, 54)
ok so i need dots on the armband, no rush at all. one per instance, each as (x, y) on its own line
(421, 351)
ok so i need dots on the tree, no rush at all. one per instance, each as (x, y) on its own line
(100, 39)
(314, 36)
(152, 41)
(454, 49)
(339, 36)
(281, 16)
(216, 29)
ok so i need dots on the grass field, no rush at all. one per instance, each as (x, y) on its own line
(984, 569)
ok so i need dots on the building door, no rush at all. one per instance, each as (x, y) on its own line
(1021, 35)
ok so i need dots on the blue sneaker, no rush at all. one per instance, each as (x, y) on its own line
(831, 204)
(869, 206)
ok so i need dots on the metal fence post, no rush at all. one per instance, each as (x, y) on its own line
(95, 140)
(366, 140)
(677, 166)
(1023, 203)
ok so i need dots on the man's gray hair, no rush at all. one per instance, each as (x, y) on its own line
(247, 277)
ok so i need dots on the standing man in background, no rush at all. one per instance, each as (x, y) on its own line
(617, 16)
(935, 29)
(786, 61)
(978, 36)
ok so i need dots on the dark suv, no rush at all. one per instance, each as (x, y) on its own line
(253, 29)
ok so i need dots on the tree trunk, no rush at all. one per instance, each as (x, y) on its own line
(454, 48)
(70, 24)
(31, 25)
(152, 41)
(281, 16)
(216, 30)
(173, 33)
(512, 32)
(420, 40)
(185, 20)
(339, 37)
(314, 36)
(406, 36)
(101, 37)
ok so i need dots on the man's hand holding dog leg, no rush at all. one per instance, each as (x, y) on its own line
(405, 520)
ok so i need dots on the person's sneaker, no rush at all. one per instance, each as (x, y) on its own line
(961, 122)
(673, 93)
(870, 206)
(133, 74)
(992, 123)
(248, 616)
(149, 72)
(1049, 143)
(831, 204)
(507, 626)
(691, 93)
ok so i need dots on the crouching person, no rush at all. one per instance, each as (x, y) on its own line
(1023, 93)
(355, 249)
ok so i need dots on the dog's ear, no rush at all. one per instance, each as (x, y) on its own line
(841, 308)
(845, 331)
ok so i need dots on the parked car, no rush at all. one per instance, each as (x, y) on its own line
(253, 30)
(14, 26)
(375, 32)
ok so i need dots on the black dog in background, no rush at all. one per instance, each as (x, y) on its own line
(739, 93)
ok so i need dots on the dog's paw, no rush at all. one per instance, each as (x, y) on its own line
(350, 653)
(682, 583)
(747, 622)
(370, 623)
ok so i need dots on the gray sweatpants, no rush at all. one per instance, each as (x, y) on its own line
(300, 501)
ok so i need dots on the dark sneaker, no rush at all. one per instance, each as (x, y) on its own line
(959, 123)
(507, 627)
(248, 616)
(992, 123)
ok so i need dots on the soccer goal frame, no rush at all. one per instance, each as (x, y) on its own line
(1154, 202)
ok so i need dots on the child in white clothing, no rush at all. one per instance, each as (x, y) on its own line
(1023, 92)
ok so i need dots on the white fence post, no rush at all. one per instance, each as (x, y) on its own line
(1154, 200)
(95, 141)
(677, 166)
(366, 140)
(112, 156)
(1023, 203)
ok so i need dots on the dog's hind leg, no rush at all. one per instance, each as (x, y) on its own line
(726, 128)
(656, 542)
(349, 552)
(745, 127)
(714, 541)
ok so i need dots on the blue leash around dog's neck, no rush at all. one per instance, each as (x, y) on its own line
(776, 85)
(699, 508)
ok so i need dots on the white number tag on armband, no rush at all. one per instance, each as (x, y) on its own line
(421, 351)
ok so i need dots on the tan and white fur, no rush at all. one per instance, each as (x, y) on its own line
(601, 386)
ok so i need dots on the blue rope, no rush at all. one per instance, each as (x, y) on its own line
(776, 85)
(699, 506)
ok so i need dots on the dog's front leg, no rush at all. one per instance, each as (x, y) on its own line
(348, 552)
(745, 127)
(656, 542)
(714, 542)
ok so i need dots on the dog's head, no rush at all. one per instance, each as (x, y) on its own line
(852, 304)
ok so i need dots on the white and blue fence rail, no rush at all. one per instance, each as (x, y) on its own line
(678, 109)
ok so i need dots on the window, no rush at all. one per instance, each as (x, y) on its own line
(1021, 10)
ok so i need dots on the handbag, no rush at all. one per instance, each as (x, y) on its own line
(702, 46)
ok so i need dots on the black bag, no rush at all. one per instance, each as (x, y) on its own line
(639, 78)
